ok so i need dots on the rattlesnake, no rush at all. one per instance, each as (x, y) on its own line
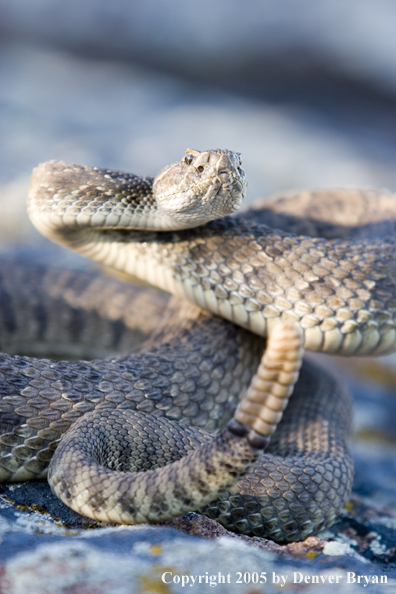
(340, 292)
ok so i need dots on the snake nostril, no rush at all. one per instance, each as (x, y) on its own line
(200, 169)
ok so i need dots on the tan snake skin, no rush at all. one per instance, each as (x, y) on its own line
(340, 292)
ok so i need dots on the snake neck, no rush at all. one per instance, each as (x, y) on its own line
(116, 199)
(200, 188)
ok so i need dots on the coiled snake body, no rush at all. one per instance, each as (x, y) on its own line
(332, 295)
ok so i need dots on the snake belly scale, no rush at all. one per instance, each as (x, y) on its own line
(334, 295)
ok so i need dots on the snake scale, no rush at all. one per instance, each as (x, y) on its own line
(138, 444)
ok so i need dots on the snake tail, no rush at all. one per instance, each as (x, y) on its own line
(89, 475)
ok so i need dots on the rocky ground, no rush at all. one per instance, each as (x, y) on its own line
(307, 96)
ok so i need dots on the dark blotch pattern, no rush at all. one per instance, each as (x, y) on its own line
(193, 370)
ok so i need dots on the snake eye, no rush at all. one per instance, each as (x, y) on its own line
(200, 169)
(188, 159)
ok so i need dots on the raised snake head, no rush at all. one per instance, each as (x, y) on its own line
(201, 187)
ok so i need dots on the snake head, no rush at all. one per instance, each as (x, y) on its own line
(201, 187)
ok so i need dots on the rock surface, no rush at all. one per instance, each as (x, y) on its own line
(55, 553)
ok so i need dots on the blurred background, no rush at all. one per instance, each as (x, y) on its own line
(305, 90)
